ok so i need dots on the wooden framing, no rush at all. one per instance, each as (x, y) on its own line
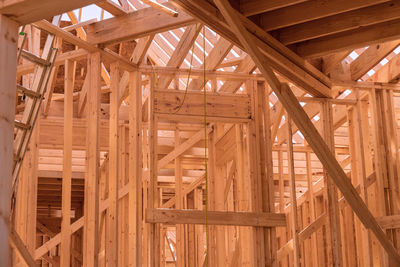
(91, 236)
(194, 133)
(8, 61)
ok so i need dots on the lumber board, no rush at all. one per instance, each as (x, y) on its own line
(351, 20)
(8, 64)
(170, 216)
(364, 36)
(135, 25)
(192, 104)
(67, 165)
(27, 11)
(310, 10)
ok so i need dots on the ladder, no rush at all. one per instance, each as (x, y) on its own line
(33, 97)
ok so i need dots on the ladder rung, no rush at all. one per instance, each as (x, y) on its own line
(34, 58)
(21, 125)
(28, 92)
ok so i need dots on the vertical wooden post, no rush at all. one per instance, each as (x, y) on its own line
(314, 255)
(267, 180)
(135, 169)
(379, 162)
(65, 258)
(112, 212)
(8, 69)
(244, 199)
(293, 197)
(91, 236)
(219, 183)
(180, 234)
(254, 171)
(153, 197)
(331, 191)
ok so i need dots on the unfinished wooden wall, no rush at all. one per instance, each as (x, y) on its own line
(140, 177)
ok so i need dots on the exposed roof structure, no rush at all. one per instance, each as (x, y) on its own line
(263, 111)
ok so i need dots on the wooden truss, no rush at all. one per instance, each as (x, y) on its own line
(203, 133)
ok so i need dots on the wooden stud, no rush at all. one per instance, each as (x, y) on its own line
(8, 66)
(293, 201)
(65, 256)
(135, 169)
(112, 212)
(331, 191)
(91, 236)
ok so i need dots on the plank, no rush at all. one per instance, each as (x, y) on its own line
(8, 66)
(310, 10)
(91, 205)
(191, 103)
(113, 170)
(375, 34)
(293, 198)
(351, 20)
(65, 248)
(27, 11)
(179, 204)
(135, 169)
(135, 25)
(171, 216)
(335, 246)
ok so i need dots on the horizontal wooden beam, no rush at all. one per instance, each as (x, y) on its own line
(170, 216)
(28, 11)
(389, 222)
(363, 36)
(135, 25)
(340, 23)
(310, 10)
(173, 102)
